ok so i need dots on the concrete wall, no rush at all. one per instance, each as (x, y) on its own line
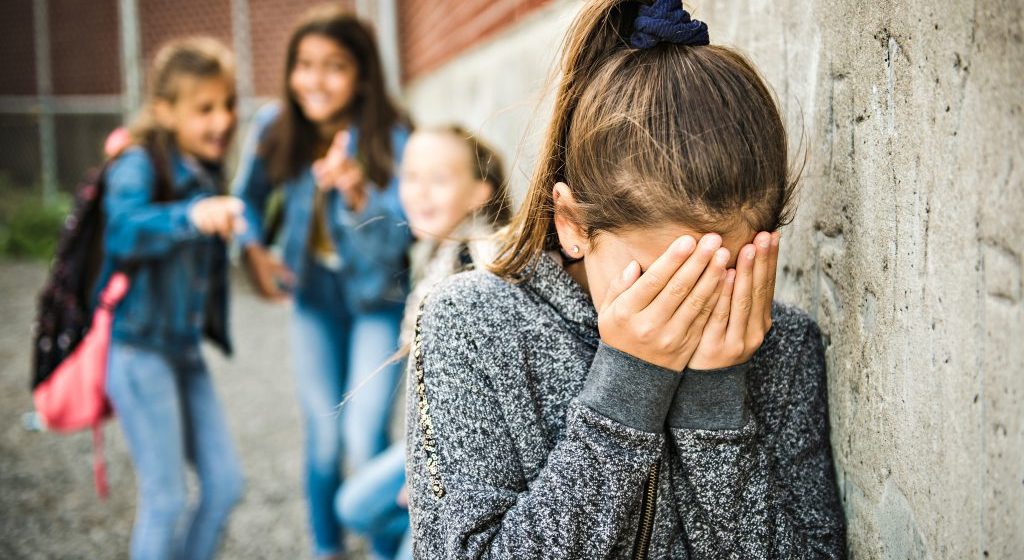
(907, 246)
(431, 32)
(498, 88)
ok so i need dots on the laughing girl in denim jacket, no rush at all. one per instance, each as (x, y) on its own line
(331, 148)
(166, 226)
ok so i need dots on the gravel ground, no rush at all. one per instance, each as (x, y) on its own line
(48, 508)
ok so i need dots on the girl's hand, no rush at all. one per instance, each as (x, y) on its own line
(743, 314)
(403, 497)
(218, 215)
(268, 273)
(659, 316)
(337, 171)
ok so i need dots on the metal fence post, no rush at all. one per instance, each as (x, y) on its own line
(131, 67)
(241, 33)
(44, 93)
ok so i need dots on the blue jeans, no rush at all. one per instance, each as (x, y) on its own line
(368, 504)
(170, 414)
(338, 353)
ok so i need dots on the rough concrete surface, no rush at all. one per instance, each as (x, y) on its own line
(907, 245)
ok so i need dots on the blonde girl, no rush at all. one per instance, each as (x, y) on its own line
(167, 222)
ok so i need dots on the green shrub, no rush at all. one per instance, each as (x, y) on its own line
(29, 227)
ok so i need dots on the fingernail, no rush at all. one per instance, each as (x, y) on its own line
(711, 241)
(630, 270)
(749, 252)
(722, 256)
(764, 240)
(685, 243)
(775, 239)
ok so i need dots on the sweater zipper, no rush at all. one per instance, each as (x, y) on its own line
(647, 503)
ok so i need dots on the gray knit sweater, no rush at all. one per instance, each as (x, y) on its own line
(528, 438)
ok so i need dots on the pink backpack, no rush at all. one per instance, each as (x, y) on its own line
(73, 397)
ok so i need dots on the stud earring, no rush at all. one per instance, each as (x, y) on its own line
(574, 257)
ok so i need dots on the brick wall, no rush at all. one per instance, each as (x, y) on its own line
(431, 32)
(271, 22)
(85, 60)
(160, 21)
(17, 51)
(85, 40)
(85, 63)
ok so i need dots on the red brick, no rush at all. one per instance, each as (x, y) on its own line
(17, 50)
(432, 32)
(272, 22)
(85, 47)
(163, 20)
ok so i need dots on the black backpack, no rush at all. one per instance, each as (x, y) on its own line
(65, 307)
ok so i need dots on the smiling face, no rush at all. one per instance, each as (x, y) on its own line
(323, 79)
(438, 188)
(202, 117)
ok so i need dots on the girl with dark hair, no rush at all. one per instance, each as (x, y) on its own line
(332, 145)
(620, 384)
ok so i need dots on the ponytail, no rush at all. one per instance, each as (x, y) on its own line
(653, 126)
(602, 28)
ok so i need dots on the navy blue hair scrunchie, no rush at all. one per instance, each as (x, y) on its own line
(665, 21)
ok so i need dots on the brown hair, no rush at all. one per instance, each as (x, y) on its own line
(486, 166)
(292, 140)
(672, 134)
(197, 57)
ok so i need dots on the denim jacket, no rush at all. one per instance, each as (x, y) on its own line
(179, 288)
(372, 244)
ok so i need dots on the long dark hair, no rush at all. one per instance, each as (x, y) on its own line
(677, 134)
(292, 140)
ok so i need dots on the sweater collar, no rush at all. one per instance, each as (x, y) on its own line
(548, 280)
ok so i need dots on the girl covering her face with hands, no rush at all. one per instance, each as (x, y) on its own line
(621, 385)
